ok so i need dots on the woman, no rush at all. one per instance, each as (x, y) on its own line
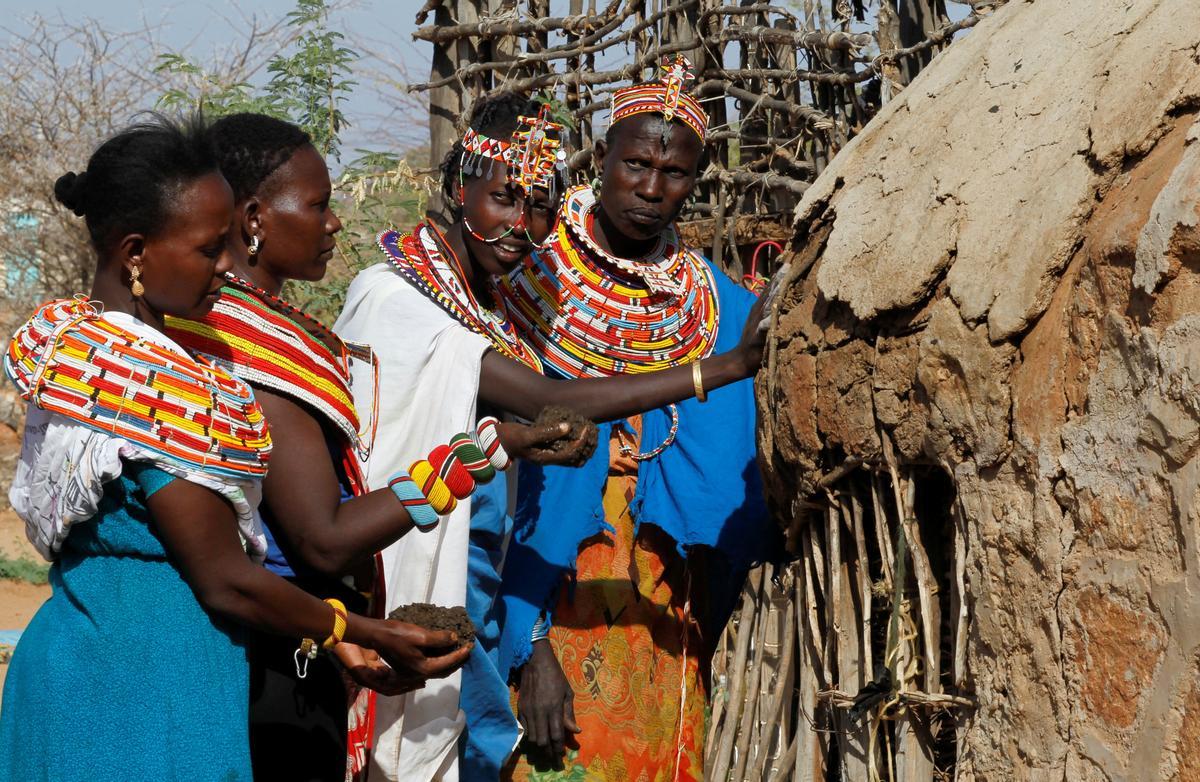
(139, 473)
(441, 333)
(320, 523)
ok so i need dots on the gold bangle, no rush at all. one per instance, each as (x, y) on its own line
(698, 382)
(339, 623)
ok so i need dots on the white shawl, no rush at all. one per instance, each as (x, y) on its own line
(64, 466)
(429, 379)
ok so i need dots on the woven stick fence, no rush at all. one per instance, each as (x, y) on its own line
(786, 85)
(850, 661)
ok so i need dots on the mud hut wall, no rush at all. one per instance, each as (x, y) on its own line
(1012, 300)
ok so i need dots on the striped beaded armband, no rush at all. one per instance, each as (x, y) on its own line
(452, 472)
(472, 458)
(487, 435)
(419, 510)
(433, 487)
(541, 629)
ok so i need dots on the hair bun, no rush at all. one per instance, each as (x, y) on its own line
(69, 189)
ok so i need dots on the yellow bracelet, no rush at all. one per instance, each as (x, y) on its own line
(339, 623)
(698, 382)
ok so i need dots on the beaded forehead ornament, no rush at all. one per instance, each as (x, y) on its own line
(665, 97)
(533, 155)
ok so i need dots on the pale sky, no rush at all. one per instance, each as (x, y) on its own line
(382, 31)
(381, 116)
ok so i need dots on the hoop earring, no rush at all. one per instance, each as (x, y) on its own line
(135, 284)
(254, 244)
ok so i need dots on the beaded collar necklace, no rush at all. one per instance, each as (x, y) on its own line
(271, 343)
(656, 268)
(427, 261)
(583, 322)
(69, 360)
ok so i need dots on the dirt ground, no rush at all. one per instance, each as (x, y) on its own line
(18, 600)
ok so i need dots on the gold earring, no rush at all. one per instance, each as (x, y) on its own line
(135, 284)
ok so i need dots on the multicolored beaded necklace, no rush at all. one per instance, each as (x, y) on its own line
(584, 322)
(426, 260)
(587, 323)
(69, 360)
(269, 342)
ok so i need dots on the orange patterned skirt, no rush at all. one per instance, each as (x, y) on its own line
(624, 634)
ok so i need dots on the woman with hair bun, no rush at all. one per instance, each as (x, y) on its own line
(139, 475)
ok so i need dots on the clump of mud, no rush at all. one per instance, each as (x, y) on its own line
(582, 430)
(433, 617)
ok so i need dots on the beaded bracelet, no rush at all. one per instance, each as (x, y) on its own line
(339, 623)
(452, 472)
(698, 382)
(473, 459)
(433, 487)
(540, 631)
(487, 435)
(419, 510)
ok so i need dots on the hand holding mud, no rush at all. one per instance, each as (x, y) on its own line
(367, 669)
(429, 654)
(558, 436)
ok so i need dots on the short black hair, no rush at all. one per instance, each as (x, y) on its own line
(251, 146)
(133, 178)
(496, 116)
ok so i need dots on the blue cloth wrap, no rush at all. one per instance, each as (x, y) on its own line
(705, 490)
(122, 674)
(491, 731)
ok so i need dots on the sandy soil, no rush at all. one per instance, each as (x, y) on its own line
(18, 600)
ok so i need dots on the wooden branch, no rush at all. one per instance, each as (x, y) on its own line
(864, 582)
(494, 27)
(742, 750)
(752, 587)
(851, 464)
(740, 178)
(429, 7)
(841, 78)
(835, 40)
(815, 118)
(567, 52)
(745, 10)
(843, 700)
(938, 36)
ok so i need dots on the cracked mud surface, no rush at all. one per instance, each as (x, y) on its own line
(1015, 296)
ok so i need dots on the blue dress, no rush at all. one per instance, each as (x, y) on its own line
(122, 675)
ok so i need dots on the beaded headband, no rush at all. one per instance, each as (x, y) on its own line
(533, 154)
(666, 97)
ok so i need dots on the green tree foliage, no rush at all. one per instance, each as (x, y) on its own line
(309, 82)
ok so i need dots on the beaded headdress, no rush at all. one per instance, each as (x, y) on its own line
(534, 154)
(666, 97)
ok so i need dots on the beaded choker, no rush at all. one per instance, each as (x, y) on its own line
(585, 323)
(425, 259)
(270, 343)
(69, 360)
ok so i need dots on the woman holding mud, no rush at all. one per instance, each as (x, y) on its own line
(320, 522)
(447, 351)
(139, 473)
